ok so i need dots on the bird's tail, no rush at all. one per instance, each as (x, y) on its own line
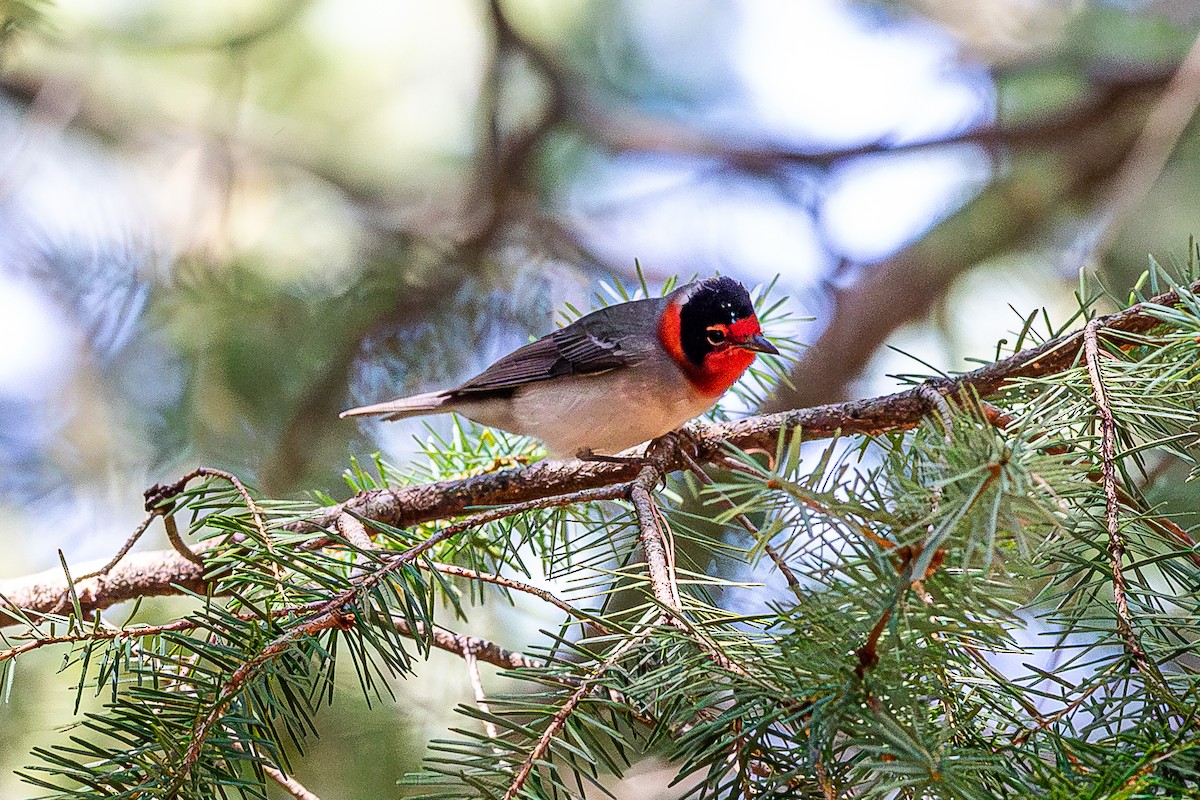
(403, 407)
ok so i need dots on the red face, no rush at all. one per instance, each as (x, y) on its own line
(729, 350)
(734, 349)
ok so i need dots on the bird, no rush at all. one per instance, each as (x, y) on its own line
(614, 378)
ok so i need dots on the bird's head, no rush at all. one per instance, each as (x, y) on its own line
(710, 329)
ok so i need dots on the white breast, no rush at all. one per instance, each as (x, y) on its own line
(604, 413)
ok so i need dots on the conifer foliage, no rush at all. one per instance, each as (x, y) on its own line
(916, 541)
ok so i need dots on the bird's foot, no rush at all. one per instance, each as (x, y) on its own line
(680, 440)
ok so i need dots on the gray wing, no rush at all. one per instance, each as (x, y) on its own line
(612, 337)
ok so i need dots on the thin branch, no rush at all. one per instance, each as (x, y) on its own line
(123, 551)
(502, 173)
(772, 553)
(660, 565)
(468, 654)
(868, 653)
(286, 782)
(827, 790)
(1112, 502)
(873, 416)
(1173, 112)
(564, 713)
(178, 543)
(96, 635)
(441, 638)
(159, 498)
(519, 586)
(1116, 538)
(650, 535)
(481, 649)
(289, 784)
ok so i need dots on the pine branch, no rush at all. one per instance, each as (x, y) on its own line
(152, 574)
(564, 712)
(1112, 504)
(1113, 525)
(899, 411)
(770, 703)
(650, 534)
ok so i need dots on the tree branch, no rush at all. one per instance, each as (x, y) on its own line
(899, 411)
(1116, 536)
(552, 482)
(866, 309)
(650, 535)
(1112, 503)
(564, 713)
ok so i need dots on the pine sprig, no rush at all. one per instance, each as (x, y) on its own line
(921, 557)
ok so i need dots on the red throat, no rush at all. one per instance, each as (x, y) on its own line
(720, 369)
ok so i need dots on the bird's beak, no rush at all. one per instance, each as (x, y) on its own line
(759, 344)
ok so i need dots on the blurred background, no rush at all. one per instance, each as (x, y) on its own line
(222, 222)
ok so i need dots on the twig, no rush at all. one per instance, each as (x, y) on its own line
(504, 162)
(286, 782)
(780, 564)
(650, 535)
(289, 784)
(357, 537)
(938, 402)
(177, 541)
(481, 649)
(122, 552)
(519, 586)
(95, 635)
(868, 654)
(1116, 538)
(564, 713)
(440, 638)
(159, 496)
(467, 650)
(827, 790)
(1112, 503)
(159, 573)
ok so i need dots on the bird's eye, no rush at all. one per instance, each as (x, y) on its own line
(716, 336)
